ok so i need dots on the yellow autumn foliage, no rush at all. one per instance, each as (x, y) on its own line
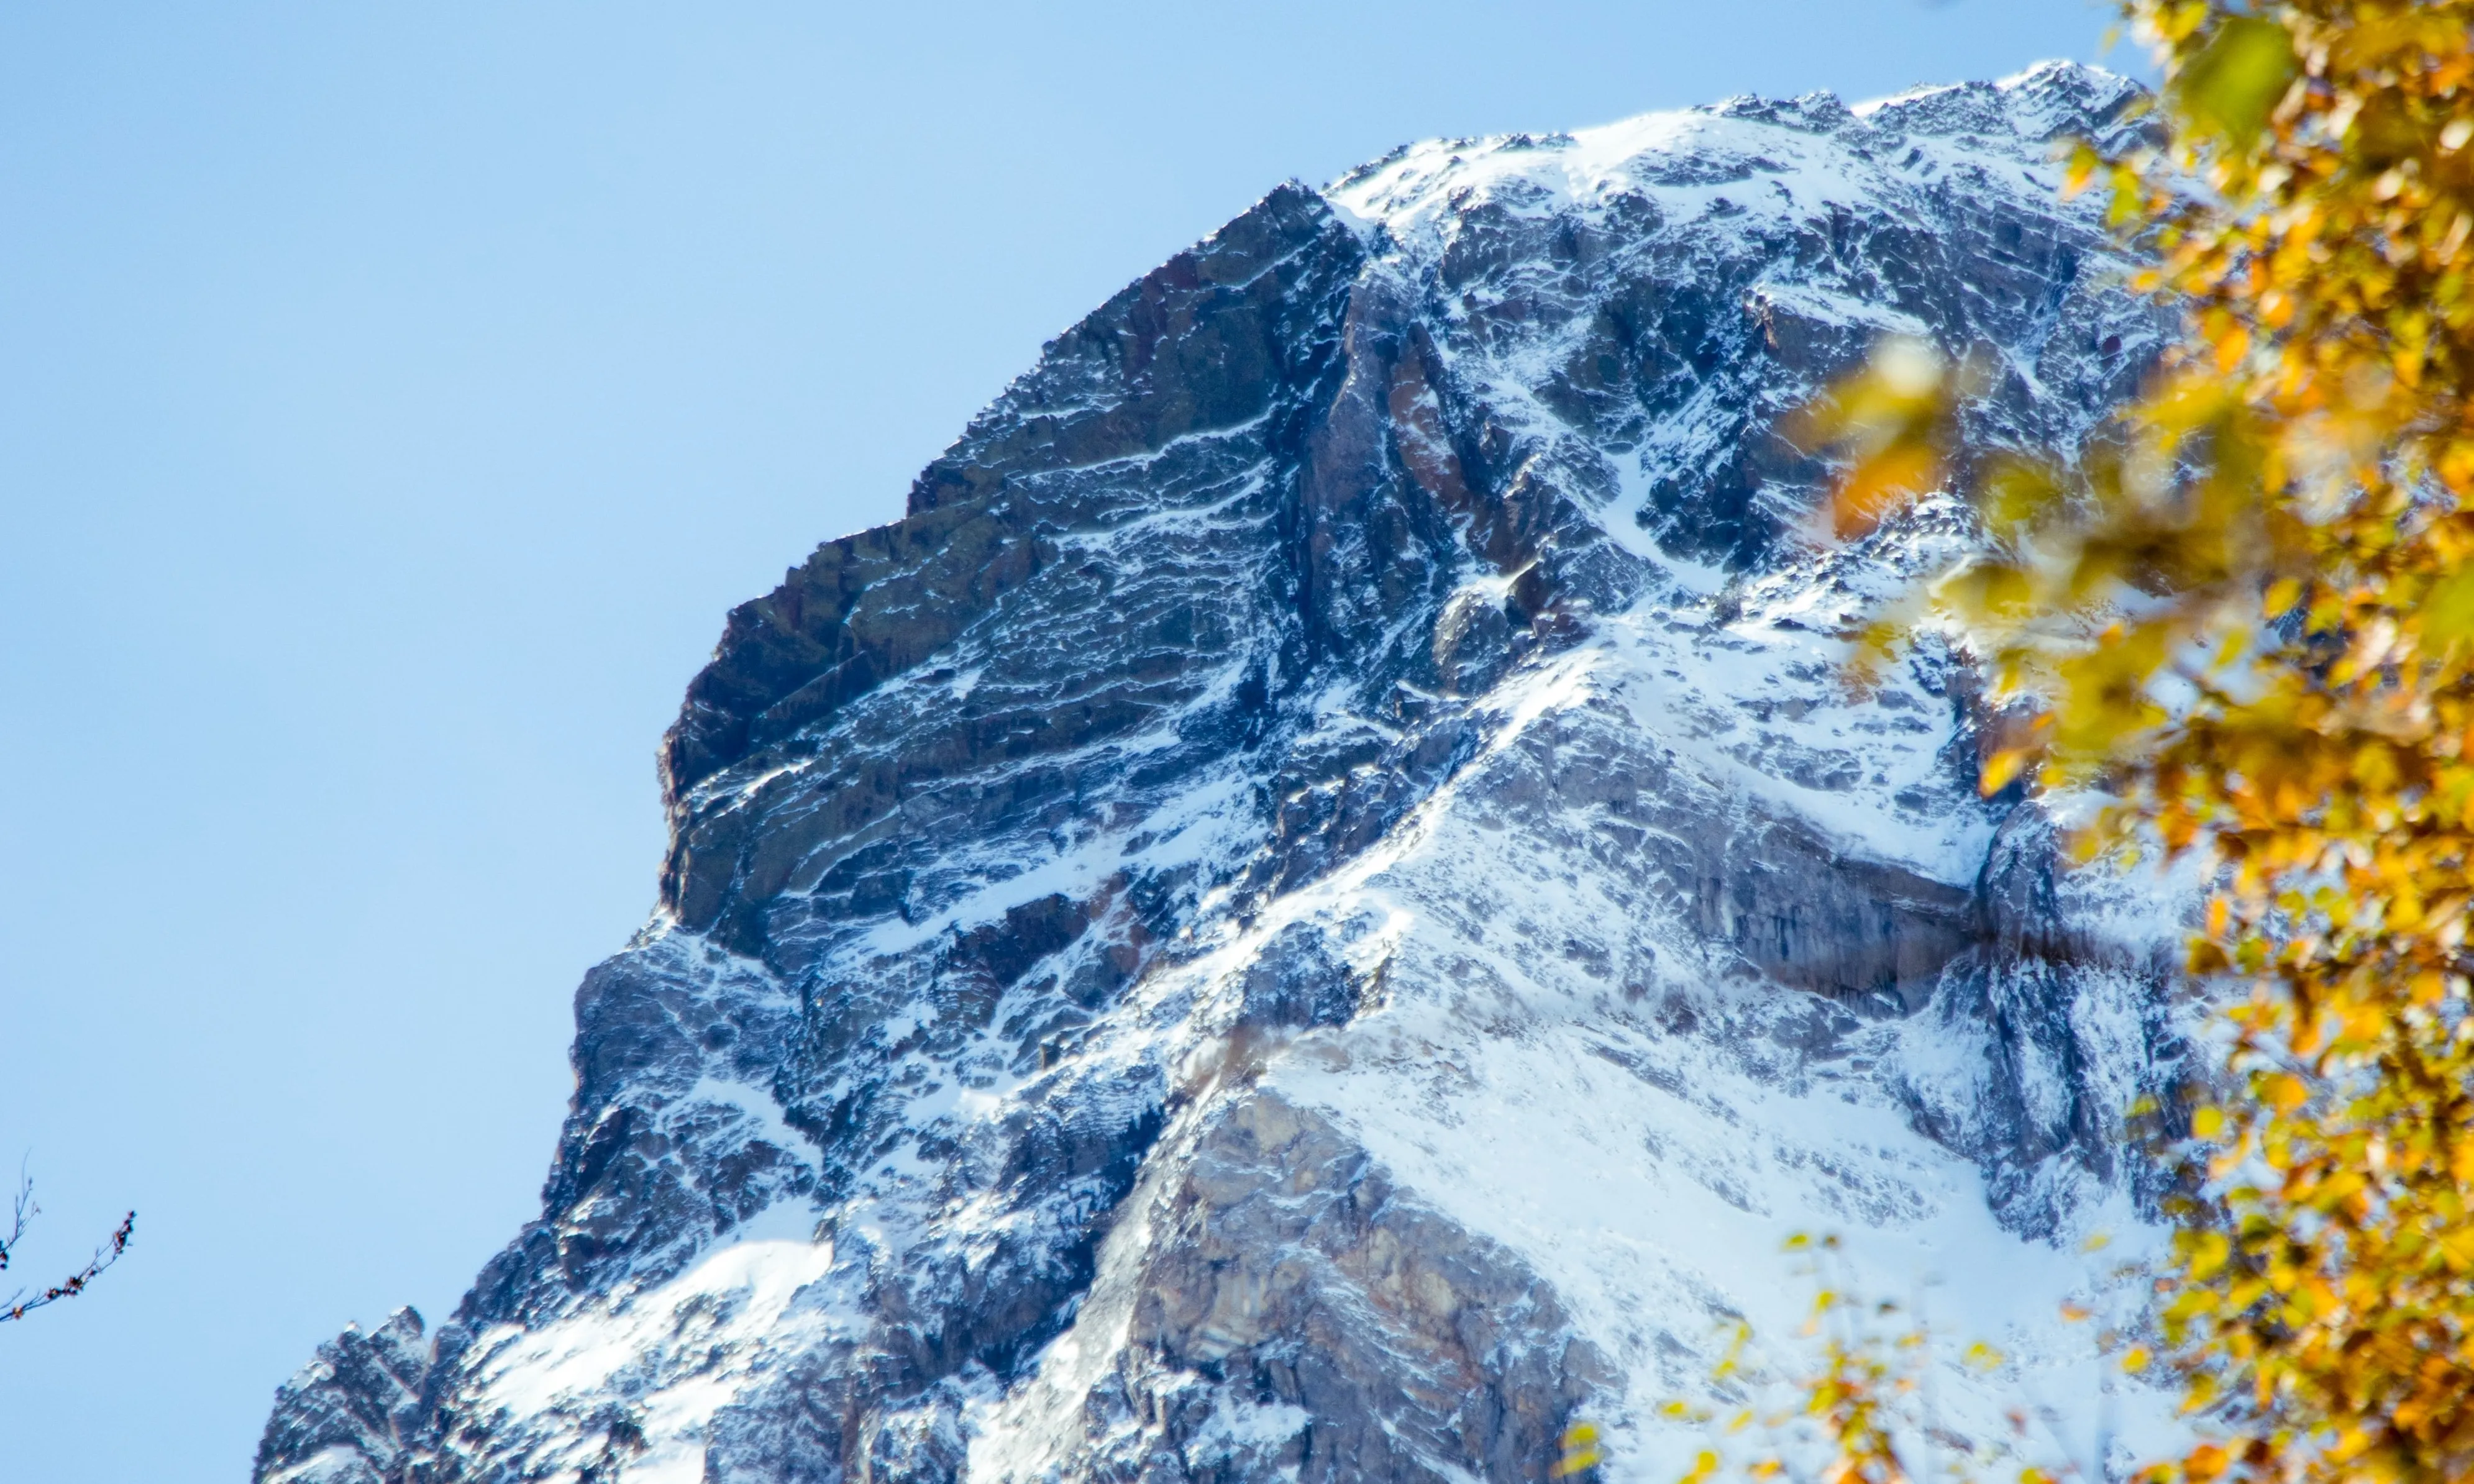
(1849, 1410)
(2246, 614)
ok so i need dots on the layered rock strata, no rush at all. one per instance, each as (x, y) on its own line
(1319, 907)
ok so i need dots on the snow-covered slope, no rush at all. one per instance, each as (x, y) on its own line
(1318, 908)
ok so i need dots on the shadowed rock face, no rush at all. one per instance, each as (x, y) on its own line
(1317, 908)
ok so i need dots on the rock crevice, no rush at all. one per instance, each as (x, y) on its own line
(1317, 908)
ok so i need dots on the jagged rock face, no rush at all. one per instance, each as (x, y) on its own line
(1318, 908)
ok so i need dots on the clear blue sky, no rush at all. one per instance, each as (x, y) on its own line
(394, 398)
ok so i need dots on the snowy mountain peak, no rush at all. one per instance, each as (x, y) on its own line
(1318, 908)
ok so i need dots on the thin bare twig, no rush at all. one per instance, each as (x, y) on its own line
(23, 1211)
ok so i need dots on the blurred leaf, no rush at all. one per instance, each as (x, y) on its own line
(2001, 768)
(2234, 80)
(2448, 612)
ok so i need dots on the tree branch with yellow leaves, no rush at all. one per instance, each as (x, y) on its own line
(2245, 616)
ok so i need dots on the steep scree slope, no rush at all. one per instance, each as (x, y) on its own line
(1316, 910)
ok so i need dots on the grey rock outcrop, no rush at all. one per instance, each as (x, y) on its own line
(349, 1413)
(1317, 908)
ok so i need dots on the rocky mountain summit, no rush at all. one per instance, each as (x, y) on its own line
(1318, 909)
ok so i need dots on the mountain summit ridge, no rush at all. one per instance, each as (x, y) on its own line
(1316, 909)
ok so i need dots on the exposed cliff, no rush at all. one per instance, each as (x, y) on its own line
(1317, 909)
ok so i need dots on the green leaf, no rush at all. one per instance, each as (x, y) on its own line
(2448, 610)
(2234, 80)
